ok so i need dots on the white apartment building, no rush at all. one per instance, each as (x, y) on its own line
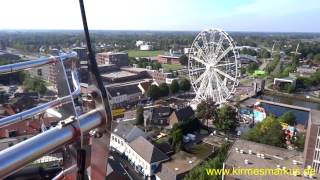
(144, 156)
(131, 141)
(123, 134)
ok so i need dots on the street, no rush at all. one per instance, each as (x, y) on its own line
(126, 166)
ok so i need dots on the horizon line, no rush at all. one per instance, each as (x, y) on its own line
(236, 31)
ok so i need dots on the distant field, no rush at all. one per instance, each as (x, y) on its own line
(173, 67)
(138, 53)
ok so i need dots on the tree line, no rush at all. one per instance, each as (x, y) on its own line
(155, 92)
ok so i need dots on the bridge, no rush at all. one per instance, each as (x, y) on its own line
(252, 101)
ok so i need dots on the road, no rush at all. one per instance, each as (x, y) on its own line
(127, 167)
(264, 64)
(117, 167)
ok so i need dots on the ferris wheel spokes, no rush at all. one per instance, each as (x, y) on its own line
(225, 75)
(213, 66)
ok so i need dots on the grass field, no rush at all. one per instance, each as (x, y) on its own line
(138, 53)
(173, 67)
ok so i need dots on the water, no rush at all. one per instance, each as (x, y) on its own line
(258, 116)
(301, 116)
(290, 101)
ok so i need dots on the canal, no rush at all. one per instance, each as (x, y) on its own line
(290, 101)
(301, 116)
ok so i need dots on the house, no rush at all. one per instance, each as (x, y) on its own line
(180, 115)
(123, 134)
(158, 115)
(306, 71)
(124, 95)
(144, 156)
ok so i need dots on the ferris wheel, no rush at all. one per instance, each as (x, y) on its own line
(213, 66)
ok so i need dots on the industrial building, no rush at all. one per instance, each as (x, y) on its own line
(168, 59)
(280, 83)
(312, 142)
(120, 59)
(81, 53)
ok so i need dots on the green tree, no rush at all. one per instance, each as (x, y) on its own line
(177, 137)
(185, 84)
(252, 67)
(299, 141)
(139, 116)
(174, 87)
(227, 119)
(288, 118)
(289, 88)
(189, 125)
(156, 65)
(265, 54)
(243, 70)
(272, 65)
(317, 57)
(183, 60)
(164, 89)
(310, 56)
(269, 131)
(154, 92)
(200, 172)
(250, 52)
(206, 110)
(34, 84)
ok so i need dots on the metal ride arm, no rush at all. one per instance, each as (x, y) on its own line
(19, 155)
(68, 133)
(16, 157)
(101, 140)
(25, 115)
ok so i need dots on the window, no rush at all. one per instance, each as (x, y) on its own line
(12, 133)
(39, 72)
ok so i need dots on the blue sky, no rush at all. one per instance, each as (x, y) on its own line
(231, 15)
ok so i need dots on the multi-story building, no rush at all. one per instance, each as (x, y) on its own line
(47, 73)
(255, 156)
(126, 94)
(160, 76)
(168, 59)
(123, 134)
(145, 156)
(312, 142)
(119, 58)
(81, 53)
(132, 142)
(42, 72)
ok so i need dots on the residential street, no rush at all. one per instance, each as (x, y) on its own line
(127, 167)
